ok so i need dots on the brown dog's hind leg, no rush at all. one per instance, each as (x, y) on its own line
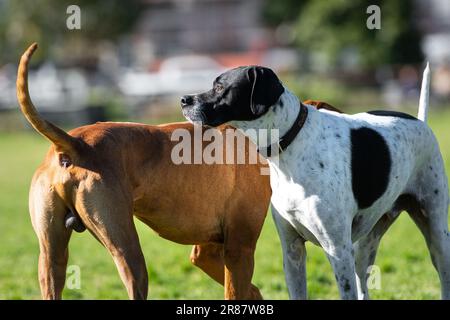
(48, 212)
(209, 258)
(108, 215)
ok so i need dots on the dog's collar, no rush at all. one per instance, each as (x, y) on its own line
(289, 136)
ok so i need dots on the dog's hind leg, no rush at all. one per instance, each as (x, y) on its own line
(107, 213)
(294, 257)
(437, 237)
(429, 210)
(365, 253)
(431, 218)
(48, 212)
(209, 258)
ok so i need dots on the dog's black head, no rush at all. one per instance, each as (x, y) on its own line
(241, 94)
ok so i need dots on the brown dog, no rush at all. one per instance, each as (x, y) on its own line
(322, 105)
(99, 176)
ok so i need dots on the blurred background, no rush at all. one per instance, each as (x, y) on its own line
(132, 60)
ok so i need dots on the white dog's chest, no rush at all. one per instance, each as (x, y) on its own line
(291, 202)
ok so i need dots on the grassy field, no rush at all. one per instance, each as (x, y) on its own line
(406, 269)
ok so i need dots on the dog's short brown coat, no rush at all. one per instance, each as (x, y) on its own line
(106, 173)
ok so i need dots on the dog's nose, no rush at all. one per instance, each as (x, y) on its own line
(186, 101)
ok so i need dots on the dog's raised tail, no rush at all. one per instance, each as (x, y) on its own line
(424, 94)
(63, 141)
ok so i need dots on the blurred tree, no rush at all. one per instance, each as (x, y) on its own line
(277, 12)
(26, 21)
(334, 27)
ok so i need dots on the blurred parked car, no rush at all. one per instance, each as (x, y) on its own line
(176, 76)
(8, 86)
(62, 95)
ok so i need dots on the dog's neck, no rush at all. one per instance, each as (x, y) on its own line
(281, 116)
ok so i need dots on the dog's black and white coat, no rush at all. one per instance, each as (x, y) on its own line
(343, 180)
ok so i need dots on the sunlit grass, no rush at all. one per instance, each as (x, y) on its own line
(406, 270)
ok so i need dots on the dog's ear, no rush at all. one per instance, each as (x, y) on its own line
(265, 89)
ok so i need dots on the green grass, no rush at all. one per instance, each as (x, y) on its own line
(406, 269)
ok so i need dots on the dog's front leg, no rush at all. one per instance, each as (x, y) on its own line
(47, 212)
(209, 258)
(333, 231)
(340, 254)
(294, 257)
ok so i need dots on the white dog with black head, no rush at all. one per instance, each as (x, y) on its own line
(340, 180)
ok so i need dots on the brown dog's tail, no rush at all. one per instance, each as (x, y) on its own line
(63, 141)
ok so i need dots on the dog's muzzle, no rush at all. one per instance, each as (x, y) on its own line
(186, 101)
(190, 109)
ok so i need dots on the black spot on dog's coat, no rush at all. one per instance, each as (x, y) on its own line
(386, 113)
(371, 166)
(347, 286)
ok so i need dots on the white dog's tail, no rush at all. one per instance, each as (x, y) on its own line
(424, 94)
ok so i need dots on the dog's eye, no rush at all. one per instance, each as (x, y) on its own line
(218, 88)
